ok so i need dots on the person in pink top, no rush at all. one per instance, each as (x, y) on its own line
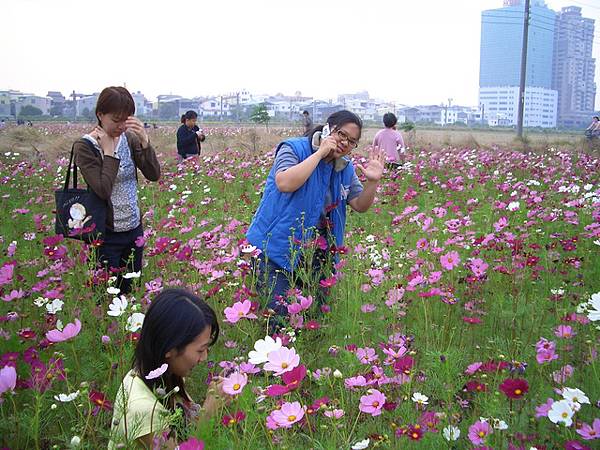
(389, 138)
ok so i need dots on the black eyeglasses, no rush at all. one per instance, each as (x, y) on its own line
(344, 136)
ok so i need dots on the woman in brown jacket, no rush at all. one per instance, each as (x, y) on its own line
(109, 166)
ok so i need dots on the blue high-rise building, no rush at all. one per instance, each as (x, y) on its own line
(500, 62)
(501, 41)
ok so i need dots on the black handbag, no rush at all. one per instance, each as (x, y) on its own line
(80, 213)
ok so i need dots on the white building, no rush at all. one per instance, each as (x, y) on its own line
(213, 107)
(86, 105)
(501, 106)
(142, 106)
(42, 103)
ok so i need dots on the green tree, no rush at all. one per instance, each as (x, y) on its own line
(30, 110)
(261, 115)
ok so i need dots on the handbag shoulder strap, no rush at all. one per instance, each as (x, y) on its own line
(73, 165)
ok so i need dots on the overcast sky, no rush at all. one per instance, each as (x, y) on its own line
(409, 51)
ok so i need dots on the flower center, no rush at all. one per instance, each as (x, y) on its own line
(565, 415)
(236, 386)
(481, 434)
(232, 421)
(284, 365)
(375, 404)
(291, 418)
(518, 391)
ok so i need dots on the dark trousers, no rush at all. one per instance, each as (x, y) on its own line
(274, 282)
(118, 251)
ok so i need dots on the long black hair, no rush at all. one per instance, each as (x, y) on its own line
(189, 115)
(337, 120)
(175, 318)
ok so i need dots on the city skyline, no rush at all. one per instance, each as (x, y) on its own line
(401, 53)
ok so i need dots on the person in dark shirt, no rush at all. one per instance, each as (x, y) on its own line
(307, 122)
(189, 136)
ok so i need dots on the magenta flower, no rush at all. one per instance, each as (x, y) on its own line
(287, 415)
(479, 431)
(13, 295)
(514, 387)
(372, 403)
(282, 360)
(354, 382)
(68, 332)
(234, 383)
(588, 432)
(191, 444)
(8, 379)
(450, 260)
(239, 310)
(545, 356)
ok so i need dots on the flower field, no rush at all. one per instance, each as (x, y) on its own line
(464, 312)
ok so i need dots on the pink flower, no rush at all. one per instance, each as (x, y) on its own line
(564, 331)
(542, 410)
(478, 267)
(334, 414)
(478, 432)
(282, 360)
(68, 332)
(287, 415)
(545, 356)
(366, 355)
(234, 383)
(472, 368)
(239, 310)
(157, 372)
(355, 382)
(450, 260)
(8, 379)
(291, 379)
(588, 432)
(6, 273)
(13, 295)
(372, 403)
(501, 224)
(368, 307)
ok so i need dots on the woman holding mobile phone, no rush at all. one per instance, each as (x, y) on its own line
(310, 184)
(189, 136)
(108, 158)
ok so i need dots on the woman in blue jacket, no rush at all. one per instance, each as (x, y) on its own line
(306, 194)
(189, 136)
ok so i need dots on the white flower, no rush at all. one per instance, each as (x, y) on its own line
(40, 301)
(561, 411)
(262, 348)
(575, 396)
(135, 322)
(451, 433)
(66, 397)
(248, 248)
(419, 398)
(75, 441)
(557, 291)
(118, 306)
(337, 374)
(582, 308)
(113, 290)
(360, 445)
(127, 276)
(513, 206)
(55, 306)
(597, 242)
(499, 424)
(594, 311)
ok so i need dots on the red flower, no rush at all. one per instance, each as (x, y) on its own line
(312, 325)
(475, 386)
(404, 365)
(472, 320)
(291, 379)
(100, 402)
(514, 387)
(415, 432)
(328, 282)
(235, 418)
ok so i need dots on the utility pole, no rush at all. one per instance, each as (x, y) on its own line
(523, 71)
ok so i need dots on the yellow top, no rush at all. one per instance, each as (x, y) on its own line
(143, 414)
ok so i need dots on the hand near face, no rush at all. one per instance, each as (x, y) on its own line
(373, 169)
(134, 124)
(106, 143)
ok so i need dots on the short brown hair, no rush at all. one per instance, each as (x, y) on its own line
(115, 100)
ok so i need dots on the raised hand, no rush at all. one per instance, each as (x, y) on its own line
(134, 124)
(373, 169)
